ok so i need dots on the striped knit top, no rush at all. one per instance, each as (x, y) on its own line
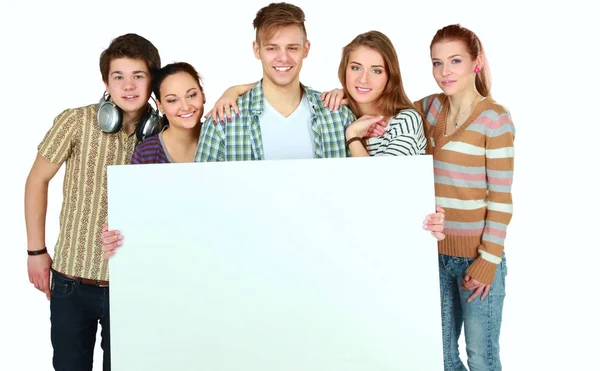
(404, 136)
(473, 170)
(151, 151)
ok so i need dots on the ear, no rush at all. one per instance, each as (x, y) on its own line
(160, 107)
(256, 49)
(479, 61)
(306, 48)
(105, 86)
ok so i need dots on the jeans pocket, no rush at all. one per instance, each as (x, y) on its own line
(61, 288)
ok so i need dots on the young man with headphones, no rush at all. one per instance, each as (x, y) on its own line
(87, 140)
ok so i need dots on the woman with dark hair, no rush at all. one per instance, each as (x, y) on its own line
(180, 98)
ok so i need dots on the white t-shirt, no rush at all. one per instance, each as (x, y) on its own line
(287, 137)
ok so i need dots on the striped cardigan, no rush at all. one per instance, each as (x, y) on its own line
(473, 177)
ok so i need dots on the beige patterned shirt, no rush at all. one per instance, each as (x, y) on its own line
(76, 140)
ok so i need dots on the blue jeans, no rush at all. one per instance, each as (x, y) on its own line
(481, 319)
(75, 310)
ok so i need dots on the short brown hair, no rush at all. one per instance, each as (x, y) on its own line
(393, 98)
(131, 46)
(277, 15)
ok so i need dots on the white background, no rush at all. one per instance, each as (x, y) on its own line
(543, 69)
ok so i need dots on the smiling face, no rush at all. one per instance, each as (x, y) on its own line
(453, 67)
(181, 99)
(366, 75)
(282, 54)
(129, 84)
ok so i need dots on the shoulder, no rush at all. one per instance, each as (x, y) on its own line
(495, 117)
(432, 102)
(407, 115)
(407, 121)
(148, 151)
(77, 116)
(150, 143)
(314, 99)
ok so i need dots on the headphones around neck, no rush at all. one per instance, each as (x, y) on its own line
(110, 119)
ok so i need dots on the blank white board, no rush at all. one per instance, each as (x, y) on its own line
(295, 265)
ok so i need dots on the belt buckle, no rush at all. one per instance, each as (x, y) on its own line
(100, 284)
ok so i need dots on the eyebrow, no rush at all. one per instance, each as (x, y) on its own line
(186, 92)
(374, 65)
(450, 57)
(296, 44)
(134, 72)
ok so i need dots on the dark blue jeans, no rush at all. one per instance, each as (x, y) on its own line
(75, 310)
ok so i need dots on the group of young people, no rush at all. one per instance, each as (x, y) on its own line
(469, 135)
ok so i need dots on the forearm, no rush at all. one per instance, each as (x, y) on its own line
(357, 149)
(36, 203)
(243, 89)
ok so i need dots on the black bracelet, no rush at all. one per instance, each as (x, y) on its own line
(37, 252)
(353, 139)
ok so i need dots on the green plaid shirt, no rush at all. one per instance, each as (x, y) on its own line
(241, 140)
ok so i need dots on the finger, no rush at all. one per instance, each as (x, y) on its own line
(438, 235)
(344, 101)
(339, 99)
(220, 114)
(434, 227)
(434, 220)
(475, 294)
(465, 279)
(46, 285)
(209, 113)
(379, 128)
(37, 282)
(107, 234)
(112, 246)
(227, 113)
(326, 98)
(333, 101)
(104, 227)
(112, 239)
(235, 109)
(486, 291)
(376, 130)
(439, 209)
(108, 254)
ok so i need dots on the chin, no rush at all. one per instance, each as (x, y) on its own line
(130, 107)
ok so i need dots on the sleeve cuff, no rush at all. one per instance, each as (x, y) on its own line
(482, 270)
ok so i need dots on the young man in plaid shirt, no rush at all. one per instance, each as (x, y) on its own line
(279, 118)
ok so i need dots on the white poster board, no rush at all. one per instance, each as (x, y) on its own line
(299, 265)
